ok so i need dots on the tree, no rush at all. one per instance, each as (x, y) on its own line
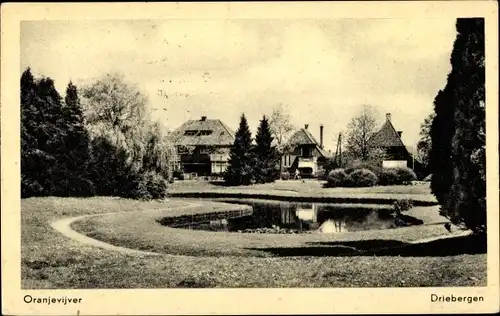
(359, 131)
(241, 157)
(77, 140)
(281, 128)
(159, 151)
(265, 154)
(117, 110)
(42, 137)
(130, 152)
(457, 156)
(425, 143)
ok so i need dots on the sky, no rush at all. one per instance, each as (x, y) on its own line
(321, 70)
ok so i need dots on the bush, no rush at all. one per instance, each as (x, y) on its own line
(336, 178)
(74, 185)
(149, 185)
(402, 205)
(388, 177)
(364, 165)
(285, 175)
(362, 178)
(405, 175)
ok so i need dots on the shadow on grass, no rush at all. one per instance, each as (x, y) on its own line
(472, 244)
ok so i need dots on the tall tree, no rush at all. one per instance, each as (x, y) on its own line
(77, 139)
(425, 143)
(281, 128)
(241, 157)
(457, 157)
(117, 110)
(359, 131)
(266, 157)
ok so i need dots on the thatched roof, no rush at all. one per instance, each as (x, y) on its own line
(304, 137)
(387, 136)
(203, 132)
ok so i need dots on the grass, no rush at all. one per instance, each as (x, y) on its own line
(50, 260)
(307, 189)
(140, 231)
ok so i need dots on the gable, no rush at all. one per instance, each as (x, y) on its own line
(386, 137)
(304, 137)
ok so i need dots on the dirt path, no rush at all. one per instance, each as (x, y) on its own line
(63, 226)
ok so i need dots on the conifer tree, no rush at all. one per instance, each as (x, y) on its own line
(42, 136)
(241, 161)
(457, 157)
(266, 158)
(76, 155)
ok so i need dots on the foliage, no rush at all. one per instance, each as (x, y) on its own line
(457, 156)
(424, 145)
(329, 165)
(54, 141)
(359, 131)
(120, 123)
(281, 126)
(241, 157)
(336, 178)
(402, 205)
(362, 178)
(285, 175)
(266, 156)
(357, 164)
(150, 185)
(388, 176)
(405, 175)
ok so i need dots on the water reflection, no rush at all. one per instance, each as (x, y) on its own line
(326, 218)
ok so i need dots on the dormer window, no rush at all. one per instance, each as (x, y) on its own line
(197, 133)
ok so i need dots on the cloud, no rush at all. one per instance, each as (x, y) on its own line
(320, 69)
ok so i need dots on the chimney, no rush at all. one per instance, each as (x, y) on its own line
(306, 126)
(321, 136)
(388, 116)
(399, 133)
(203, 118)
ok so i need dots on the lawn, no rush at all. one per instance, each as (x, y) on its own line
(50, 260)
(307, 189)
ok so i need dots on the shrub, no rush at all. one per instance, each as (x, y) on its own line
(402, 205)
(364, 165)
(149, 185)
(405, 175)
(336, 178)
(362, 178)
(285, 175)
(388, 177)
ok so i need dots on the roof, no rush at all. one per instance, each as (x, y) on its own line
(304, 137)
(387, 136)
(219, 133)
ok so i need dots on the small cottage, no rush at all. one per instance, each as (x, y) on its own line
(397, 154)
(306, 154)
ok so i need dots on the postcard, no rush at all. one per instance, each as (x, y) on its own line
(249, 158)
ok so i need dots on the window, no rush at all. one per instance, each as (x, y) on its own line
(190, 132)
(306, 152)
(205, 133)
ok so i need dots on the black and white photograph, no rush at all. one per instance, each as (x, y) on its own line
(252, 153)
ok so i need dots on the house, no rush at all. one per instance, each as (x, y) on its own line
(306, 154)
(203, 146)
(397, 154)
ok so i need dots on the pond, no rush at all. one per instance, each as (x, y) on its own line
(298, 217)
